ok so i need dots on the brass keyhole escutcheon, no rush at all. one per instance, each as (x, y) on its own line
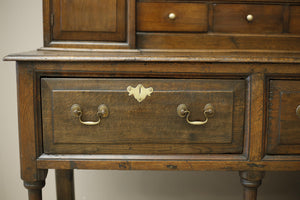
(139, 92)
(298, 111)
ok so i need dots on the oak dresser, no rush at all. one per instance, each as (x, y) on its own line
(161, 85)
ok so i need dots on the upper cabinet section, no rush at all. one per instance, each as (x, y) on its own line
(86, 23)
(246, 25)
(173, 24)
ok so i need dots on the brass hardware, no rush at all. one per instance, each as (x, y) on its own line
(298, 111)
(208, 111)
(172, 16)
(139, 93)
(102, 112)
(249, 18)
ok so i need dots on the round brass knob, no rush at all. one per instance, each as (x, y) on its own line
(298, 111)
(172, 16)
(249, 18)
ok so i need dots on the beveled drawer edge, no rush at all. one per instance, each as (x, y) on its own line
(141, 157)
(65, 162)
(281, 157)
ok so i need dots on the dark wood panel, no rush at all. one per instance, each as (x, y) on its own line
(88, 15)
(283, 122)
(88, 20)
(122, 38)
(294, 26)
(232, 18)
(217, 41)
(153, 121)
(189, 17)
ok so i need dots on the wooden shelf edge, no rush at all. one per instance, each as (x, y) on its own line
(225, 56)
(182, 165)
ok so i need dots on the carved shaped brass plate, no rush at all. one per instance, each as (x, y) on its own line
(298, 111)
(139, 92)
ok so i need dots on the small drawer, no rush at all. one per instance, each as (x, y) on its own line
(244, 18)
(284, 117)
(142, 116)
(172, 17)
(294, 26)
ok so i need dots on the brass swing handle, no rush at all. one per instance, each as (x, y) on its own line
(208, 111)
(102, 113)
(298, 111)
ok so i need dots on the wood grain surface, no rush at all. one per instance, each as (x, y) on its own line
(190, 17)
(151, 126)
(283, 123)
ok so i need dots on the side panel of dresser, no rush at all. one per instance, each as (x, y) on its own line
(29, 134)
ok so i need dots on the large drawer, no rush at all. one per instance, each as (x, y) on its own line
(142, 116)
(284, 117)
(172, 17)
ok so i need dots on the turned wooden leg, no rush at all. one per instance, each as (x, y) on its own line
(34, 189)
(251, 180)
(65, 184)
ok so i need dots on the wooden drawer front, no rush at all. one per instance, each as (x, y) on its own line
(147, 127)
(89, 20)
(283, 122)
(294, 26)
(189, 17)
(232, 18)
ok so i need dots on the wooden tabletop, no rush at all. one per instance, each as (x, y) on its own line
(157, 56)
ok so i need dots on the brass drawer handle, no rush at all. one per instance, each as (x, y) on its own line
(102, 112)
(208, 111)
(298, 111)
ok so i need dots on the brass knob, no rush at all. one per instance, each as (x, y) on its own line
(172, 16)
(208, 111)
(249, 18)
(298, 111)
(102, 113)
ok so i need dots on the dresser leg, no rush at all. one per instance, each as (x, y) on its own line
(65, 184)
(251, 180)
(34, 189)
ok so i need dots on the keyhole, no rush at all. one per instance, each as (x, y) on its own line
(140, 89)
